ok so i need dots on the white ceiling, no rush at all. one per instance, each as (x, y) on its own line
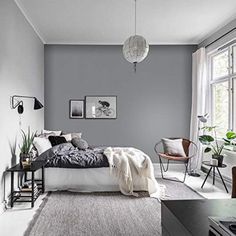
(112, 21)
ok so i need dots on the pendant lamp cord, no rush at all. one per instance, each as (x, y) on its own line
(135, 17)
(135, 27)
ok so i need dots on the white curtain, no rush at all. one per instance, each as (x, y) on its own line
(199, 102)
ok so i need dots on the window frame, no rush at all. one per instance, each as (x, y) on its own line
(230, 77)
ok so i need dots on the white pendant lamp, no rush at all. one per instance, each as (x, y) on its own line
(135, 48)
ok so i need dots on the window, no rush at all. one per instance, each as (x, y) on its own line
(220, 64)
(222, 71)
(220, 106)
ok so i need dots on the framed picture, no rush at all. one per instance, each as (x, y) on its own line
(76, 109)
(101, 107)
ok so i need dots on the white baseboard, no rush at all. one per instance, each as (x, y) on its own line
(2, 207)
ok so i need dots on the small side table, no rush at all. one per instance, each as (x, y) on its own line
(35, 165)
(207, 163)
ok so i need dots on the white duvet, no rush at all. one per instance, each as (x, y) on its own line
(128, 164)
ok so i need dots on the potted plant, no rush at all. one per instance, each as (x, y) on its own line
(212, 144)
(230, 141)
(25, 147)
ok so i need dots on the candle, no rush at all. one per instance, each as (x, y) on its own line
(214, 162)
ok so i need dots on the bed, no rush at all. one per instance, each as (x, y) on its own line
(85, 180)
(72, 169)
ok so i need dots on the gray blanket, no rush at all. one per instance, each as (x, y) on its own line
(67, 156)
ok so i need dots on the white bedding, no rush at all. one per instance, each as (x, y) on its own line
(86, 180)
(129, 164)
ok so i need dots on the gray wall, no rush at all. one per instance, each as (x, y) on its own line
(153, 103)
(21, 72)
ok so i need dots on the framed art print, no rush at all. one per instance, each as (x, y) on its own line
(101, 107)
(76, 109)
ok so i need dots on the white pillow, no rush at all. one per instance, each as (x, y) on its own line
(76, 135)
(41, 144)
(57, 133)
(68, 137)
(46, 135)
(173, 147)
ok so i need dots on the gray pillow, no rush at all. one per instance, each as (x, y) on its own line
(173, 147)
(80, 143)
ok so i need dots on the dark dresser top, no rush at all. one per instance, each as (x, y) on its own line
(193, 214)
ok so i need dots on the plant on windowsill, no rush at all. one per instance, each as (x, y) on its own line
(212, 144)
(230, 141)
(25, 147)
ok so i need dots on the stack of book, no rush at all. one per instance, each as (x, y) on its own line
(27, 188)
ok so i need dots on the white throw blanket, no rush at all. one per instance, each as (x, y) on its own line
(130, 163)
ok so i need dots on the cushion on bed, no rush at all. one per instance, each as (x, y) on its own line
(56, 140)
(80, 143)
(173, 147)
(68, 137)
(41, 144)
(56, 132)
(76, 135)
(45, 135)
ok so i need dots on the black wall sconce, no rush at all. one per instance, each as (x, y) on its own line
(19, 104)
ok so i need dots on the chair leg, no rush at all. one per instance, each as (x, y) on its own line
(160, 161)
(186, 170)
(167, 167)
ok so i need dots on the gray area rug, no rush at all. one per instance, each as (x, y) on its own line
(103, 214)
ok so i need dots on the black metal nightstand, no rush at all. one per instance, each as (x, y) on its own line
(17, 195)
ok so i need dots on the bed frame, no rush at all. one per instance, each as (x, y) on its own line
(85, 180)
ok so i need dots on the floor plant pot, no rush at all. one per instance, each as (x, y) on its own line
(220, 159)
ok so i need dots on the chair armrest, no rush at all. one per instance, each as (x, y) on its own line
(174, 158)
(195, 149)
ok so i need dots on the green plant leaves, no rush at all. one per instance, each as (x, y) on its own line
(206, 139)
(27, 140)
(231, 135)
(213, 143)
(227, 141)
(208, 128)
(208, 149)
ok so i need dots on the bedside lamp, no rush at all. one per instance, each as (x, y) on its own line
(19, 104)
(204, 118)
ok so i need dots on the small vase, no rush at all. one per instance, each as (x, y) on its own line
(220, 159)
(23, 158)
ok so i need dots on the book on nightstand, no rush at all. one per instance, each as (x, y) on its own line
(27, 187)
(221, 226)
(28, 184)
